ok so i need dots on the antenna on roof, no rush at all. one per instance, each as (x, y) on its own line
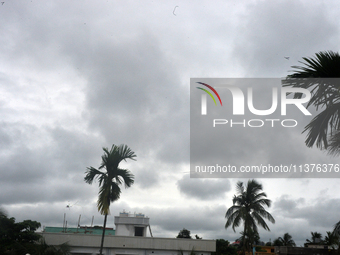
(78, 222)
(64, 230)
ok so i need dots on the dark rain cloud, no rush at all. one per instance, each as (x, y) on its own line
(78, 77)
(203, 189)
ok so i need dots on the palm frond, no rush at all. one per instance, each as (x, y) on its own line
(110, 181)
(264, 214)
(92, 174)
(325, 94)
(318, 128)
(248, 207)
(115, 192)
(260, 221)
(334, 144)
(103, 202)
(127, 176)
(240, 188)
(258, 199)
(325, 64)
(126, 152)
(235, 221)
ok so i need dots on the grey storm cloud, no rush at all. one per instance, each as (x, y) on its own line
(297, 208)
(78, 77)
(203, 189)
(279, 29)
(286, 204)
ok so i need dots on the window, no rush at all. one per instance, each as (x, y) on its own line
(139, 231)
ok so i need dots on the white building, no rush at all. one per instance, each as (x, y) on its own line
(130, 239)
(131, 225)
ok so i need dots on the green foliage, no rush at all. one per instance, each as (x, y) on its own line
(223, 248)
(286, 240)
(325, 64)
(111, 179)
(20, 238)
(324, 128)
(18, 234)
(184, 233)
(316, 238)
(331, 239)
(249, 208)
(334, 144)
(277, 242)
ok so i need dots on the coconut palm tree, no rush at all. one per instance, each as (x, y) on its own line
(286, 240)
(331, 239)
(325, 94)
(316, 238)
(277, 242)
(111, 179)
(248, 208)
(247, 240)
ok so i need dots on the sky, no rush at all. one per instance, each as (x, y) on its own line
(77, 76)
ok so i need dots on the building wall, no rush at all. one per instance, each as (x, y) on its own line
(283, 250)
(265, 250)
(127, 245)
(108, 251)
(80, 230)
(126, 224)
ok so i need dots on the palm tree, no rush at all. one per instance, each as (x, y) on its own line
(248, 239)
(331, 239)
(277, 242)
(248, 208)
(111, 179)
(316, 238)
(325, 93)
(286, 240)
(336, 234)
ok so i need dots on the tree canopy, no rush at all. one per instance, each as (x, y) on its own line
(286, 240)
(21, 238)
(249, 208)
(324, 73)
(110, 179)
(184, 233)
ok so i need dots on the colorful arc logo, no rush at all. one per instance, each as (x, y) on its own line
(209, 92)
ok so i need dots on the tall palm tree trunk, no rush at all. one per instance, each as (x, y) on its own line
(244, 238)
(102, 243)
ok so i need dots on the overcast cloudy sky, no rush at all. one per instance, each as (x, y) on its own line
(76, 76)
